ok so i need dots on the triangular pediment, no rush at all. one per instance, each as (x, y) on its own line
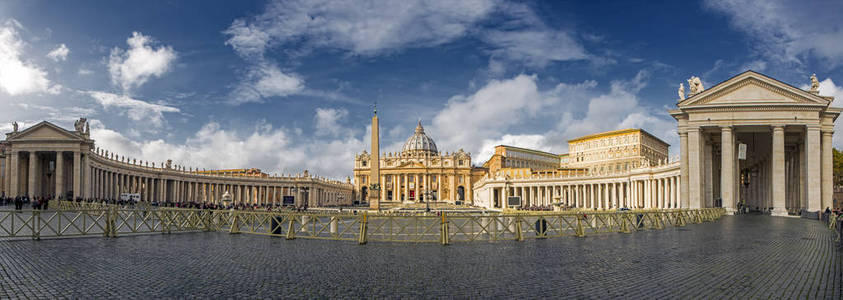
(44, 131)
(751, 88)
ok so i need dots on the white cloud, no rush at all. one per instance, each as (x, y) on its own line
(362, 27)
(327, 121)
(84, 72)
(529, 141)
(266, 80)
(273, 150)
(59, 54)
(133, 67)
(535, 47)
(509, 111)
(492, 109)
(134, 109)
(18, 77)
(375, 27)
(247, 39)
(788, 30)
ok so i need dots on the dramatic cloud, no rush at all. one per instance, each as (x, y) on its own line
(788, 30)
(362, 27)
(514, 111)
(263, 81)
(510, 33)
(135, 109)
(17, 76)
(59, 54)
(327, 121)
(375, 27)
(535, 47)
(273, 150)
(133, 67)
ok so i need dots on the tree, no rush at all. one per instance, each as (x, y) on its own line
(838, 167)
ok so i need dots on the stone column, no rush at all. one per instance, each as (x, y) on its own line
(616, 195)
(77, 174)
(383, 188)
(814, 168)
(31, 183)
(59, 175)
(696, 168)
(438, 187)
(827, 175)
(684, 172)
(778, 172)
(727, 168)
(7, 180)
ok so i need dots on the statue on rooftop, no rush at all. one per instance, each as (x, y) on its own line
(695, 84)
(79, 125)
(815, 84)
(681, 91)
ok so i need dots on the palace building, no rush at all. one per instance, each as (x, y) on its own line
(416, 174)
(47, 160)
(613, 151)
(626, 168)
(515, 157)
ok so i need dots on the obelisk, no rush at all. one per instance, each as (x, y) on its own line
(374, 163)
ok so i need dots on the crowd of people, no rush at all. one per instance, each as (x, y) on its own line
(538, 208)
(191, 205)
(37, 203)
(42, 203)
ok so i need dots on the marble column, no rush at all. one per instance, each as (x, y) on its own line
(684, 189)
(32, 167)
(778, 172)
(696, 184)
(814, 167)
(77, 174)
(727, 168)
(59, 175)
(827, 176)
(7, 179)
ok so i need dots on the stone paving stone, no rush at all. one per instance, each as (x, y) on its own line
(737, 257)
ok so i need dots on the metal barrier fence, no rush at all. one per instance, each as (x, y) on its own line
(88, 219)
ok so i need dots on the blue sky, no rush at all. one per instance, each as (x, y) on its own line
(286, 86)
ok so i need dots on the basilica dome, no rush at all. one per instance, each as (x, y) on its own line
(419, 143)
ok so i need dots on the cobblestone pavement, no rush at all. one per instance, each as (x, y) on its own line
(735, 257)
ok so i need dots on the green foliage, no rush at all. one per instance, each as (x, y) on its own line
(838, 167)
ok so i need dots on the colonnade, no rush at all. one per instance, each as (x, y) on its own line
(35, 173)
(110, 178)
(644, 188)
(404, 187)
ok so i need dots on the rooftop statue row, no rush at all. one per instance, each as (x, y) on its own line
(696, 87)
(170, 166)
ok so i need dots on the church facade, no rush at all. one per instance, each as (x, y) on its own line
(416, 174)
